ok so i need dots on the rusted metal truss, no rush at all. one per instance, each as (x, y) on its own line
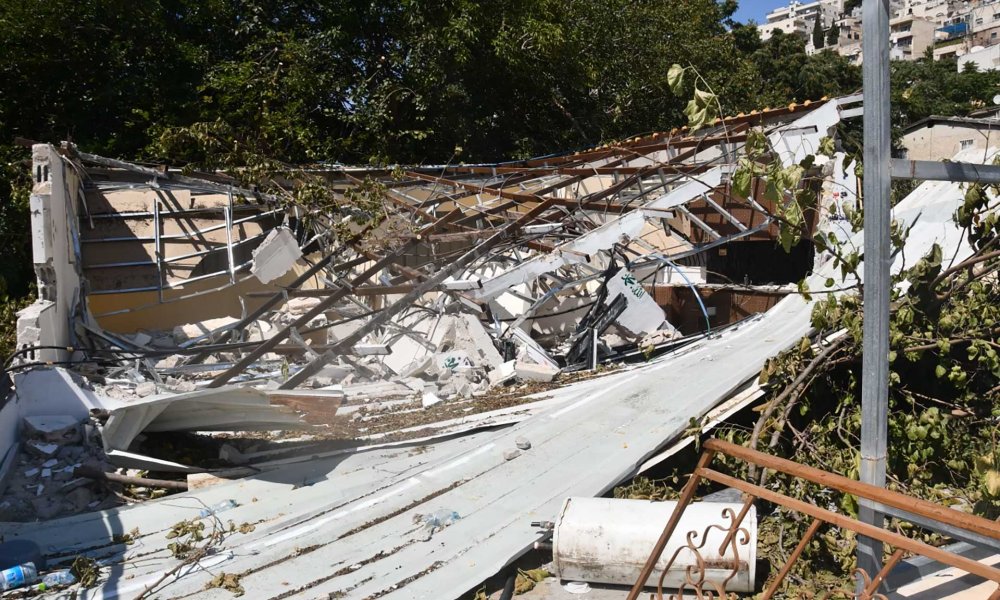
(509, 241)
(860, 585)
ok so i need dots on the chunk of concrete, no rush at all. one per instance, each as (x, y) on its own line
(146, 388)
(230, 454)
(535, 372)
(470, 335)
(41, 449)
(189, 331)
(511, 454)
(503, 373)
(642, 314)
(452, 361)
(430, 399)
(276, 255)
(56, 429)
(522, 443)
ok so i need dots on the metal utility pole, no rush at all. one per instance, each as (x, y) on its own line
(877, 178)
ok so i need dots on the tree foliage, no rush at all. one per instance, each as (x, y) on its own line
(926, 87)
(833, 35)
(818, 35)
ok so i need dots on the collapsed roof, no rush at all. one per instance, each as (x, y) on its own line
(187, 303)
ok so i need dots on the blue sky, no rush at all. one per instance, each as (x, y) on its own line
(756, 9)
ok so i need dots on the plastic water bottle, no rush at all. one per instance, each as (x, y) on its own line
(56, 579)
(217, 508)
(19, 576)
(438, 520)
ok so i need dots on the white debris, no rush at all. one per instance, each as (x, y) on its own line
(190, 331)
(503, 373)
(642, 313)
(535, 372)
(370, 349)
(59, 429)
(42, 449)
(276, 255)
(430, 399)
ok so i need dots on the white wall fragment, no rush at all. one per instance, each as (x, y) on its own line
(276, 255)
(642, 313)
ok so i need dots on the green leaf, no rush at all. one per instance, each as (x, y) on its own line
(742, 180)
(791, 176)
(675, 78)
(804, 289)
(826, 146)
(756, 143)
(703, 98)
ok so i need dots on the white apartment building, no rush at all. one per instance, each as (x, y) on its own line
(910, 37)
(982, 18)
(951, 28)
(984, 58)
(798, 18)
(936, 11)
(849, 39)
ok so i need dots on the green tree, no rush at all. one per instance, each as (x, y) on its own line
(818, 36)
(833, 35)
(787, 74)
(413, 81)
(926, 87)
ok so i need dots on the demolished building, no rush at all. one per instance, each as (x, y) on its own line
(173, 303)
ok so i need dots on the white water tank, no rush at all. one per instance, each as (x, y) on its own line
(605, 540)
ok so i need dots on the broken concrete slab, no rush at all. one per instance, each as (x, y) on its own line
(41, 449)
(218, 409)
(190, 331)
(535, 372)
(58, 429)
(276, 255)
(642, 314)
(504, 373)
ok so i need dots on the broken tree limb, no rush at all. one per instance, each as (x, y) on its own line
(97, 474)
(770, 407)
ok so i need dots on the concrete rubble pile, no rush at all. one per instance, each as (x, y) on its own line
(46, 482)
(481, 284)
(470, 297)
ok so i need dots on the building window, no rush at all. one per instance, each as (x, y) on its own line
(965, 144)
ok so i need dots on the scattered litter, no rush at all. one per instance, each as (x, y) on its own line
(576, 587)
(436, 521)
(217, 508)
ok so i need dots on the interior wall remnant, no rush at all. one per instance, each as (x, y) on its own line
(759, 263)
(724, 305)
(131, 312)
(55, 253)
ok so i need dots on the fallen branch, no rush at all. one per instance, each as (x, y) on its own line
(791, 388)
(93, 473)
